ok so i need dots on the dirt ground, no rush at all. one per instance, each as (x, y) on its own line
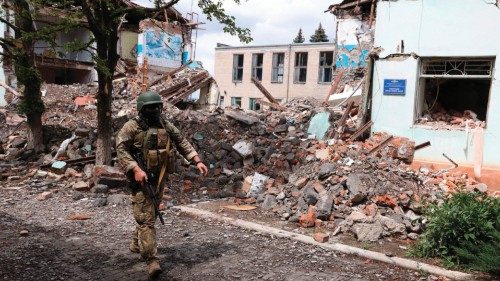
(56, 248)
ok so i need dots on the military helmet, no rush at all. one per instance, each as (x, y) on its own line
(147, 98)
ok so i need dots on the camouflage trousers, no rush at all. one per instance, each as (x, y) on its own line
(145, 233)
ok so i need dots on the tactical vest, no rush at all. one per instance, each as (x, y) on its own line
(156, 149)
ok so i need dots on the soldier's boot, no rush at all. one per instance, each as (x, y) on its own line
(134, 246)
(154, 269)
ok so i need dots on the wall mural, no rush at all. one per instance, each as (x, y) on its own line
(163, 49)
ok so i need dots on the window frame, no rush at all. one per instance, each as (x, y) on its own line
(301, 61)
(236, 101)
(276, 67)
(221, 101)
(323, 66)
(253, 104)
(256, 67)
(450, 68)
(237, 68)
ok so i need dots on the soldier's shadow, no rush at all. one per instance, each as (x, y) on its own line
(189, 254)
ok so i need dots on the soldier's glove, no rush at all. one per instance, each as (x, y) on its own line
(139, 175)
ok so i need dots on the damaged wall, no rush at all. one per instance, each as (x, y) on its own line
(406, 32)
(128, 44)
(81, 34)
(161, 43)
(354, 42)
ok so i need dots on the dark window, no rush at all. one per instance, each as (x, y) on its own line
(237, 68)
(257, 61)
(300, 68)
(236, 101)
(253, 105)
(278, 67)
(221, 101)
(325, 67)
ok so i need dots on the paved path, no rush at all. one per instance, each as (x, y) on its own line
(190, 249)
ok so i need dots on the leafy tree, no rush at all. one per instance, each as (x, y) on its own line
(103, 18)
(319, 35)
(299, 38)
(20, 50)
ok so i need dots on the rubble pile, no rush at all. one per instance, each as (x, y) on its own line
(295, 162)
(442, 119)
(182, 82)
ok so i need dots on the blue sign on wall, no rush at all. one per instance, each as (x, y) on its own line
(395, 87)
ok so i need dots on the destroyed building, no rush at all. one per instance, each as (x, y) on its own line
(286, 71)
(430, 76)
(160, 37)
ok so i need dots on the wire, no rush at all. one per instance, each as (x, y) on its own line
(437, 95)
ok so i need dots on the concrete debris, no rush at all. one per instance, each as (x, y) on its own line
(258, 185)
(281, 160)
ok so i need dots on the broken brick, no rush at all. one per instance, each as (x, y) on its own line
(308, 219)
(321, 237)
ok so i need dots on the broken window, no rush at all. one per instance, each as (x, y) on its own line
(237, 68)
(221, 101)
(325, 67)
(236, 101)
(300, 68)
(278, 67)
(257, 61)
(253, 105)
(454, 92)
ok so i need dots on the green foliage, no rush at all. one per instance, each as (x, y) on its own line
(299, 38)
(319, 35)
(481, 256)
(215, 10)
(464, 231)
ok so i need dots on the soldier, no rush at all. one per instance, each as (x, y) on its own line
(150, 136)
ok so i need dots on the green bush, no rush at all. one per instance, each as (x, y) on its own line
(464, 231)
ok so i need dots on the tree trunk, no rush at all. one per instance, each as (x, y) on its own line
(104, 122)
(34, 117)
(107, 52)
(27, 74)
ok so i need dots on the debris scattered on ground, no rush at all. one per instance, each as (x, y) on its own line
(305, 162)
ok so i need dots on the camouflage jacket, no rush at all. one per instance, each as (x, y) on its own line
(130, 138)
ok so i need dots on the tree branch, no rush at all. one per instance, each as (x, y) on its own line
(16, 28)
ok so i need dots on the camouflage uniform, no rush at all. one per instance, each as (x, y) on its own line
(130, 140)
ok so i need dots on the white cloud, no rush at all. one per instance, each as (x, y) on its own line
(271, 22)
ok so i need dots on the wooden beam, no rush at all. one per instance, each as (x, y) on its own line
(372, 10)
(342, 121)
(380, 145)
(334, 86)
(170, 74)
(264, 91)
(273, 105)
(10, 89)
(422, 145)
(360, 131)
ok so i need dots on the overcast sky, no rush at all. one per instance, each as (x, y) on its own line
(270, 21)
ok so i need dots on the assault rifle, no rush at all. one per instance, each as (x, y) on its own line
(148, 187)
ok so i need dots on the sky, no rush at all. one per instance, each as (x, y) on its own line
(270, 22)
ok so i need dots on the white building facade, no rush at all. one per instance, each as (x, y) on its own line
(439, 53)
(286, 71)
